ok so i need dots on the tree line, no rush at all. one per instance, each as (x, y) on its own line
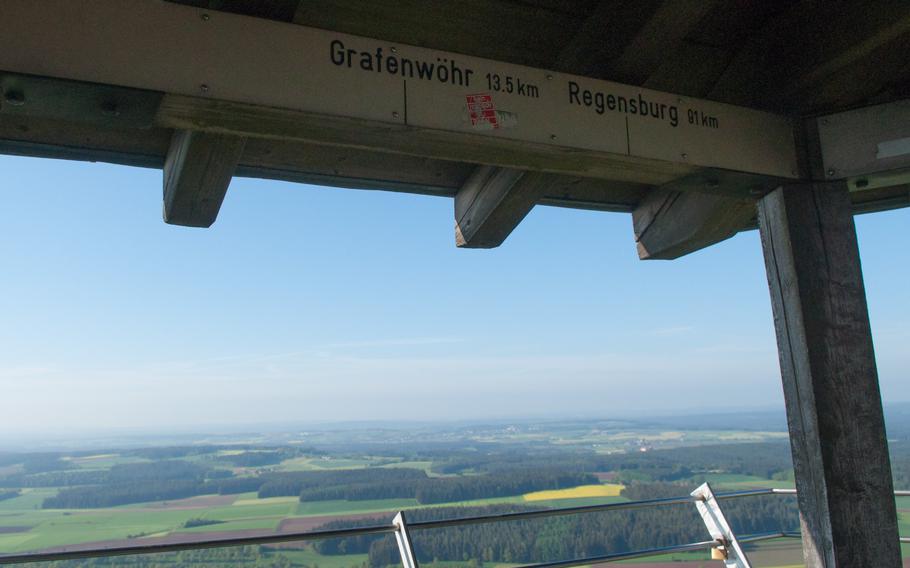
(134, 483)
(297, 482)
(667, 465)
(4, 495)
(391, 483)
(235, 556)
(177, 479)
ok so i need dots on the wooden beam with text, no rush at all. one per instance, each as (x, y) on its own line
(197, 172)
(210, 68)
(827, 361)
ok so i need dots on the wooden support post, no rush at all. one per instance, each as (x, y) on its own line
(492, 202)
(834, 409)
(197, 172)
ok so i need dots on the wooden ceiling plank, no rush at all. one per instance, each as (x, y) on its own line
(507, 31)
(612, 25)
(278, 10)
(661, 35)
(873, 34)
(197, 171)
(821, 40)
(690, 70)
(578, 8)
(872, 81)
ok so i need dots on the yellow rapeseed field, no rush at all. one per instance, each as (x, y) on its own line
(605, 490)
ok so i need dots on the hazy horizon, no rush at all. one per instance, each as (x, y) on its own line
(316, 304)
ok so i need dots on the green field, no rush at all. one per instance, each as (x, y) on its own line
(30, 499)
(310, 558)
(104, 461)
(317, 508)
(58, 528)
(319, 463)
(734, 481)
(51, 527)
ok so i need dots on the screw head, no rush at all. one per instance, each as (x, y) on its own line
(549, 77)
(110, 108)
(205, 17)
(14, 98)
(552, 137)
(394, 50)
(684, 156)
(395, 114)
(204, 88)
(831, 171)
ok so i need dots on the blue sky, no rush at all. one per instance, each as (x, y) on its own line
(308, 303)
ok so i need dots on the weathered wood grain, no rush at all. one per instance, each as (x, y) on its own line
(197, 172)
(279, 10)
(192, 113)
(696, 211)
(827, 360)
(629, 54)
(669, 223)
(511, 31)
(492, 202)
(818, 56)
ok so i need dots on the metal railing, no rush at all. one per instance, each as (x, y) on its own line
(401, 529)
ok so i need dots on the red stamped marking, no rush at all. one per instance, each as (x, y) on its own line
(482, 111)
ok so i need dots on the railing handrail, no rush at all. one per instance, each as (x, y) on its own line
(457, 521)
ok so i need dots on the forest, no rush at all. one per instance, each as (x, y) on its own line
(761, 460)
(176, 479)
(460, 476)
(236, 557)
(4, 495)
(572, 536)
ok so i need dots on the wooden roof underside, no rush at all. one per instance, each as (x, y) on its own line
(809, 57)
(795, 58)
